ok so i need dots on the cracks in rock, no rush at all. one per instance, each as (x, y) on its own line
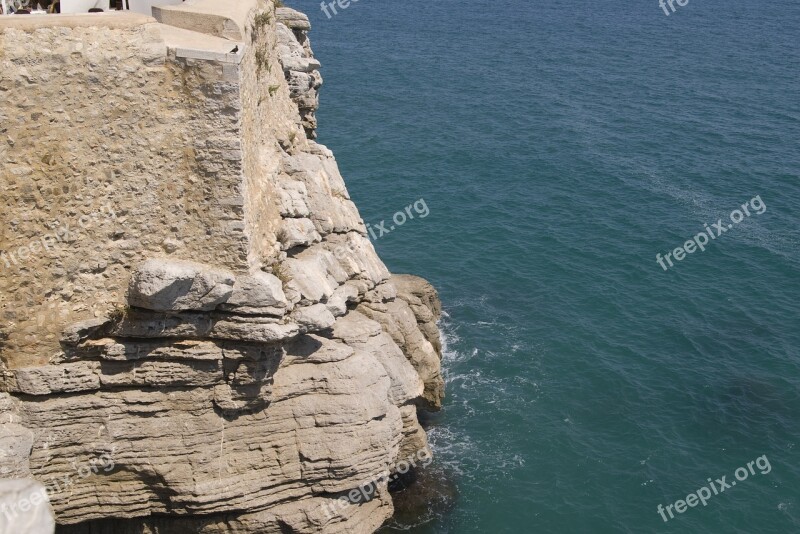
(30, 398)
(221, 449)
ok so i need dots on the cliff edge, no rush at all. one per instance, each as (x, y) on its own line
(196, 334)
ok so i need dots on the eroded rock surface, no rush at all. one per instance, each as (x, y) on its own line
(239, 359)
(300, 66)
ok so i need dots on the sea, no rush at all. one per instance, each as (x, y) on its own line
(611, 193)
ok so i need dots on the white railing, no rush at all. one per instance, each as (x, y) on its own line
(83, 6)
(146, 6)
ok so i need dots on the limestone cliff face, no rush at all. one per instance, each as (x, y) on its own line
(221, 349)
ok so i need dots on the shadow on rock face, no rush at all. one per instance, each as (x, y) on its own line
(420, 497)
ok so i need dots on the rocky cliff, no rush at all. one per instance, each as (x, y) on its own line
(197, 334)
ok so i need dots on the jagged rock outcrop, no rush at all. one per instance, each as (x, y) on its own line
(299, 65)
(412, 329)
(227, 352)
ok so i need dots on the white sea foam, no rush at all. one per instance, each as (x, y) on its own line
(453, 447)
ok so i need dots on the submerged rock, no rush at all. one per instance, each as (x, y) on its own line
(421, 497)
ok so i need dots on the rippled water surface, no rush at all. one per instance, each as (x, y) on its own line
(559, 147)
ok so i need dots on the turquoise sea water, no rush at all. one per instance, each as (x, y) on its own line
(559, 147)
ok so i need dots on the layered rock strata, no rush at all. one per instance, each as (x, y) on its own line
(223, 350)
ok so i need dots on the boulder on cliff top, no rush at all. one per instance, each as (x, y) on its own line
(174, 285)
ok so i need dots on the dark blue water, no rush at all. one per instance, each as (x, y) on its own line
(559, 147)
